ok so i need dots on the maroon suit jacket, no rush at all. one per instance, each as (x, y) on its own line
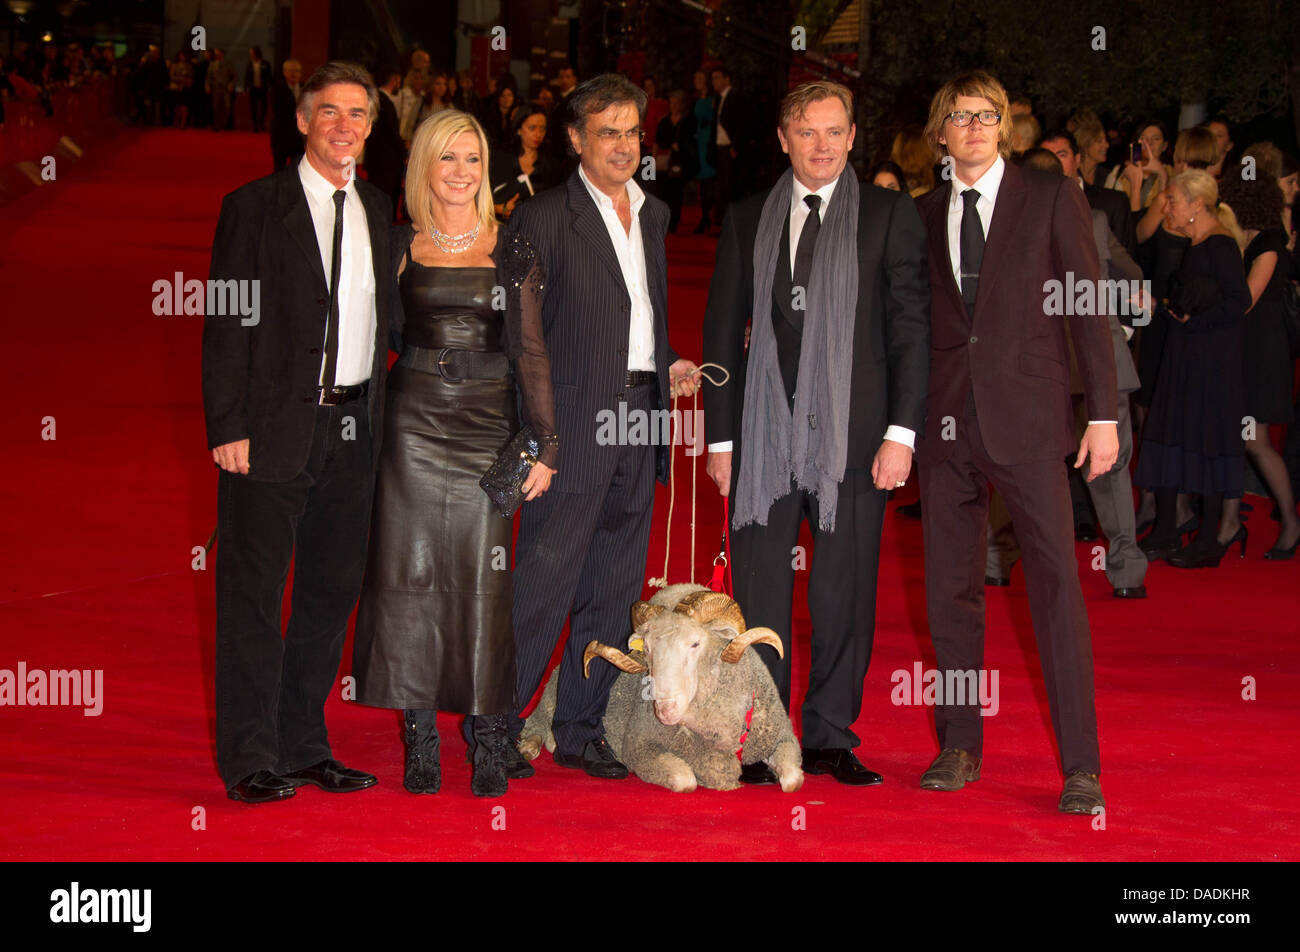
(1011, 353)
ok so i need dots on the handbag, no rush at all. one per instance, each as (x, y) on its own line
(504, 480)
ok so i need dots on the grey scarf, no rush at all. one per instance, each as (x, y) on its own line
(813, 446)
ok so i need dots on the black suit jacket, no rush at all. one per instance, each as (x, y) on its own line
(586, 317)
(285, 137)
(1012, 353)
(385, 151)
(736, 116)
(1114, 205)
(260, 381)
(891, 337)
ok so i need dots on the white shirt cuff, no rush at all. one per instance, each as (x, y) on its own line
(901, 434)
(723, 447)
(1094, 422)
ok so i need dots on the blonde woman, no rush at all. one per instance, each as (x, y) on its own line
(434, 623)
(913, 154)
(1192, 442)
(1091, 136)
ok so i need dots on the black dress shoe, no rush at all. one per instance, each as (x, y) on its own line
(1135, 591)
(757, 773)
(994, 581)
(262, 786)
(332, 777)
(841, 764)
(596, 759)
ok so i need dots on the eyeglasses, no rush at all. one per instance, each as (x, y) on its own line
(610, 136)
(961, 118)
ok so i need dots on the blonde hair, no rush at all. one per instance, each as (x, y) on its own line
(432, 138)
(979, 84)
(1198, 183)
(1088, 130)
(912, 154)
(1025, 133)
(796, 101)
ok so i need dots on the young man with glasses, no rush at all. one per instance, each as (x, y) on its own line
(998, 410)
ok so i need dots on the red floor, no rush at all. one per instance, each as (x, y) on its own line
(95, 572)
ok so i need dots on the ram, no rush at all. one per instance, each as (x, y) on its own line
(691, 698)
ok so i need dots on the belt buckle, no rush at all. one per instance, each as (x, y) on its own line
(322, 395)
(442, 360)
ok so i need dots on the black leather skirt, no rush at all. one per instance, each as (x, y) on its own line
(433, 626)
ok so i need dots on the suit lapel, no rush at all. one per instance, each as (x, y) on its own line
(297, 219)
(589, 224)
(381, 261)
(937, 227)
(1006, 218)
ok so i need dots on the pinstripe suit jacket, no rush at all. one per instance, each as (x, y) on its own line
(586, 317)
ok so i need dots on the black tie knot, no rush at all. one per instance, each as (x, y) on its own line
(970, 197)
(813, 201)
(339, 196)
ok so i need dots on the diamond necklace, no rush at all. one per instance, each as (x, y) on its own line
(454, 244)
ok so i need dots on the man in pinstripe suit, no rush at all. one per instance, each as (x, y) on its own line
(582, 546)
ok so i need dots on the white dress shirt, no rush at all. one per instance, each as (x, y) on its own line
(631, 261)
(356, 297)
(799, 212)
(987, 185)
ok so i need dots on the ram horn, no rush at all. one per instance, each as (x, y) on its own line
(710, 608)
(755, 636)
(613, 656)
(643, 612)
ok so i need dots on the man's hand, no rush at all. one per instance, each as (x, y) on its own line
(1100, 444)
(232, 457)
(538, 481)
(719, 469)
(683, 378)
(892, 465)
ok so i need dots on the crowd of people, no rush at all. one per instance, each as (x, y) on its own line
(950, 351)
(33, 73)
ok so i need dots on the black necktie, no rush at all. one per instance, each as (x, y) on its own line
(336, 265)
(803, 255)
(972, 248)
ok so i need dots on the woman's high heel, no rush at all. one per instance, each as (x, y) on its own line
(1208, 557)
(1279, 554)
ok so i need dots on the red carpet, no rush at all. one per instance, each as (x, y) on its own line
(100, 524)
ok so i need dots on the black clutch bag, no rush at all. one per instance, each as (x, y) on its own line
(504, 480)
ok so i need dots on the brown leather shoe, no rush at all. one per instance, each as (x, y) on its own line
(951, 770)
(1081, 794)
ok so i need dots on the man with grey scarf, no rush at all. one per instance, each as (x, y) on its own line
(821, 416)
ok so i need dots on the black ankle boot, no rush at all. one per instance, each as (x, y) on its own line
(423, 772)
(490, 740)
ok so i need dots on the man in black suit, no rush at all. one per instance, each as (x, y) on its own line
(732, 147)
(999, 411)
(385, 151)
(582, 546)
(286, 142)
(873, 407)
(1111, 203)
(293, 398)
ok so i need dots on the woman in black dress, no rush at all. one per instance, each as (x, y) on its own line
(433, 627)
(1192, 442)
(521, 171)
(1265, 346)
